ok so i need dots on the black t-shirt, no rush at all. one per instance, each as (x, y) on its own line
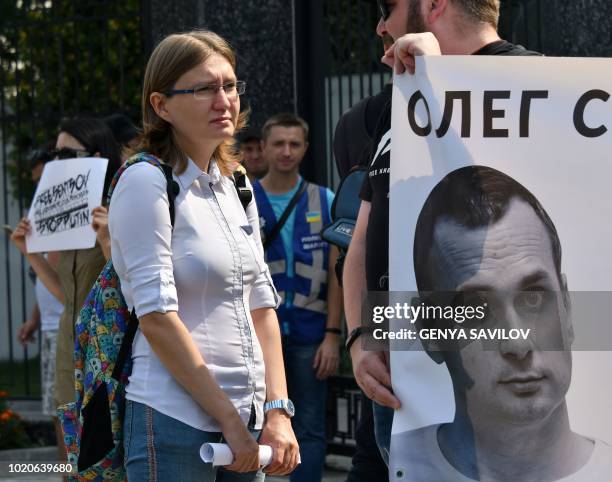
(355, 131)
(375, 187)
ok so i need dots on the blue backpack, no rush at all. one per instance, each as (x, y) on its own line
(104, 332)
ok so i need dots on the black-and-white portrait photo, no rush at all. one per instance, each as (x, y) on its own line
(484, 235)
(500, 210)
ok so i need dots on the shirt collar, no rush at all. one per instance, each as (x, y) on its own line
(193, 172)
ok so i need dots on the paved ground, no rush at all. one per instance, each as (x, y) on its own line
(336, 466)
(335, 472)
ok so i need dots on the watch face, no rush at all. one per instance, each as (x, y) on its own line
(290, 408)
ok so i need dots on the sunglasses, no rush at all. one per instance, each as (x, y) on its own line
(68, 153)
(384, 9)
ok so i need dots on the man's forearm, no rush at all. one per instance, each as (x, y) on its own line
(35, 315)
(334, 292)
(354, 284)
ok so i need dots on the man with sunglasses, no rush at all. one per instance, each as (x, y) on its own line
(418, 27)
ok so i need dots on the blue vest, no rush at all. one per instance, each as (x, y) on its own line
(306, 318)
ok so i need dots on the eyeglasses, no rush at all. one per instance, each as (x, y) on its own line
(209, 91)
(384, 9)
(68, 153)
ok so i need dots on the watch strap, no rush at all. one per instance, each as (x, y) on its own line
(282, 404)
(274, 404)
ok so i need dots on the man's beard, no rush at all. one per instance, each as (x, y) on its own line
(416, 21)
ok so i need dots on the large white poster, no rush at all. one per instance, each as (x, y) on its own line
(500, 234)
(60, 214)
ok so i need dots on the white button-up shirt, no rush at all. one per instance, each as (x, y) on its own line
(210, 269)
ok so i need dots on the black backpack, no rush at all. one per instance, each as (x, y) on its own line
(345, 209)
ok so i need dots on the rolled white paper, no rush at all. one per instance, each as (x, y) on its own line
(220, 454)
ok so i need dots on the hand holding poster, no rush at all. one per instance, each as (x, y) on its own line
(500, 173)
(60, 215)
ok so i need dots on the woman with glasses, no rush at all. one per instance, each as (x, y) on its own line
(207, 354)
(76, 270)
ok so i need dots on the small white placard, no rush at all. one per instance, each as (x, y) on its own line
(60, 214)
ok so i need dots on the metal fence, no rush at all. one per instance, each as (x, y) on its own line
(354, 70)
(343, 413)
(57, 59)
(521, 22)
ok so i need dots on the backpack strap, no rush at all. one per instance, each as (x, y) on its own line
(244, 193)
(126, 345)
(172, 188)
(286, 213)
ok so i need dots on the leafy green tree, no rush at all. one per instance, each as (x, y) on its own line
(60, 58)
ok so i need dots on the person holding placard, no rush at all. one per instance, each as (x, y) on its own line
(76, 270)
(433, 27)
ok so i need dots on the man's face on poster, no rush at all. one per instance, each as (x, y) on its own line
(509, 266)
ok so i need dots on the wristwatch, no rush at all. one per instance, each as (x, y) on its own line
(286, 405)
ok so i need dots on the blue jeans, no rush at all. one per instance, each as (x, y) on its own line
(367, 464)
(160, 448)
(309, 397)
(383, 419)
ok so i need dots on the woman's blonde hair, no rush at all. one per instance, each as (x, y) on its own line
(175, 55)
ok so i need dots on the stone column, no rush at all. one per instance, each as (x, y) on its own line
(577, 28)
(561, 28)
(261, 32)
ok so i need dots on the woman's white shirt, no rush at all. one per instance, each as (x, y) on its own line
(210, 268)
(50, 308)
